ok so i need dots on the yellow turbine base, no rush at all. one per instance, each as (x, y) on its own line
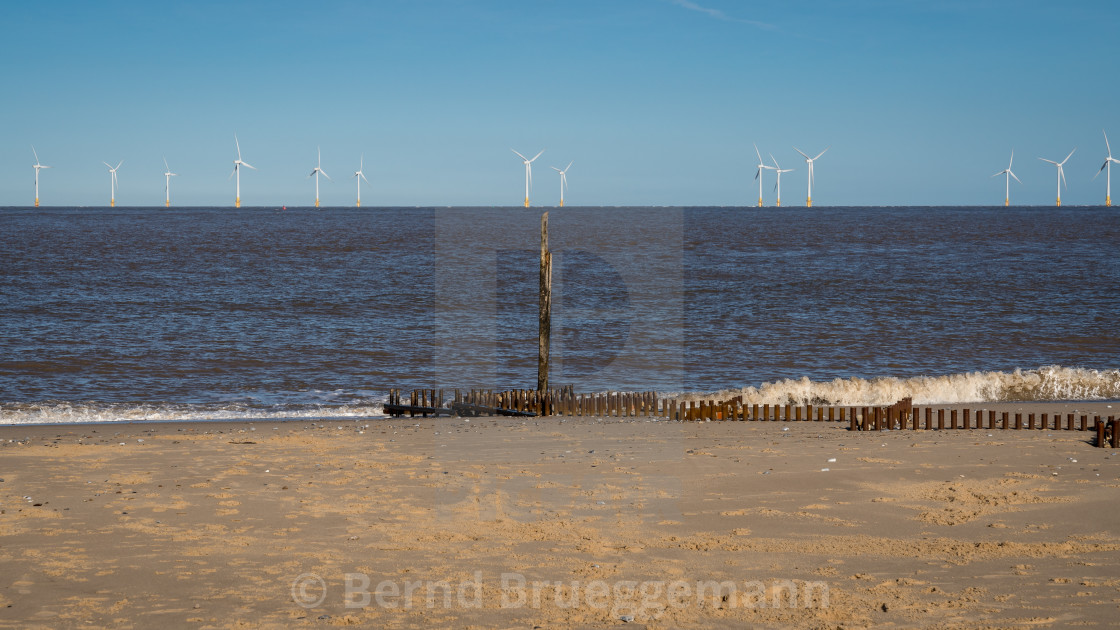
(36, 202)
(1107, 202)
(316, 203)
(1006, 202)
(112, 203)
(1059, 202)
(359, 203)
(760, 202)
(808, 202)
(561, 203)
(778, 203)
(526, 202)
(237, 203)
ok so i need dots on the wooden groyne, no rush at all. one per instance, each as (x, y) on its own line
(901, 416)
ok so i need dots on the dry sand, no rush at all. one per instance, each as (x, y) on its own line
(662, 524)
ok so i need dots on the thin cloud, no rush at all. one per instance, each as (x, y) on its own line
(720, 15)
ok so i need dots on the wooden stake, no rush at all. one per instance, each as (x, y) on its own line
(545, 315)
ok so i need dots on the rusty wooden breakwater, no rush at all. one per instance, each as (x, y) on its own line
(565, 402)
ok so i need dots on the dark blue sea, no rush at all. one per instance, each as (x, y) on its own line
(216, 313)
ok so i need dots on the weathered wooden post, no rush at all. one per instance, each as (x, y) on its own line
(545, 315)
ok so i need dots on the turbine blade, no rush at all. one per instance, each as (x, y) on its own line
(37, 155)
(556, 169)
(775, 161)
(119, 164)
(238, 146)
(1050, 161)
(758, 154)
(1069, 156)
(1102, 168)
(520, 156)
(1013, 175)
(364, 177)
(537, 155)
(1102, 131)
(823, 152)
(801, 152)
(1012, 160)
(249, 165)
(325, 175)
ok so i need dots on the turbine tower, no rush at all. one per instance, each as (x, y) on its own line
(167, 175)
(809, 161)
(1061, 174)
(528, 173)
(563, 180)
(778, 184)
(37, 166)
(1007, 175)
(315, 172)
(237, 164)
(1107, 166)
(360, 175)
(113, 183)
(758, 173)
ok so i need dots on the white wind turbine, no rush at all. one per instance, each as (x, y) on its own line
(1107, 166)
(167, 175)
(1061, 174)
(113, 183)
(237, 164)
(37, 166)
(315, 172)
(758, 173)
(778, 185)
(528, 173)
(563, 180)
(809, 161)
(1007, 175)
(360, 175)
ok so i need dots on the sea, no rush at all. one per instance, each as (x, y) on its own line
(184, 314)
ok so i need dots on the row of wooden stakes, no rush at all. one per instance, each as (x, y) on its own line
(899, 416)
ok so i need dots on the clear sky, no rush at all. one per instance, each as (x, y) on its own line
(657, 102)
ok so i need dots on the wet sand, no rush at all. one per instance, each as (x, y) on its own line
(556, 523)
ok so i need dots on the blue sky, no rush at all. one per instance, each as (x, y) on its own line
(657, 102)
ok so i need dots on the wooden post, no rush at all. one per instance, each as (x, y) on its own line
(967, 417)
(940, 419)
(1115, 432)
(1100, 433)
(1018, 422)
(929, 418)
(1069, 422)
(545, 315)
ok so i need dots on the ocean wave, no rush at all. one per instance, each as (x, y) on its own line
(1048, 383)
(95, 413)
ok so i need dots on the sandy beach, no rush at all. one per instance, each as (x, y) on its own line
(584, 522)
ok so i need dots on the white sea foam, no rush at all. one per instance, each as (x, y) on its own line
(1050, 383)
(66, 413)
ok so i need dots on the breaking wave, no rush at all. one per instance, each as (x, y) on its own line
(1048, 383)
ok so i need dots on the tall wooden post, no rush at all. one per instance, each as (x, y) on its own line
(545, 331)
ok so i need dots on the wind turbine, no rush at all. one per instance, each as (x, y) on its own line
(1061, 175)
(237, 164)
(758, 174)
(113, 183)
(167, 175)
(37, 166)
(563, 180)
(1106, 166)
(315, 171)
(778, 185)
(809, 161)
(1007, 175)
(528, 173)
(360, 175)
